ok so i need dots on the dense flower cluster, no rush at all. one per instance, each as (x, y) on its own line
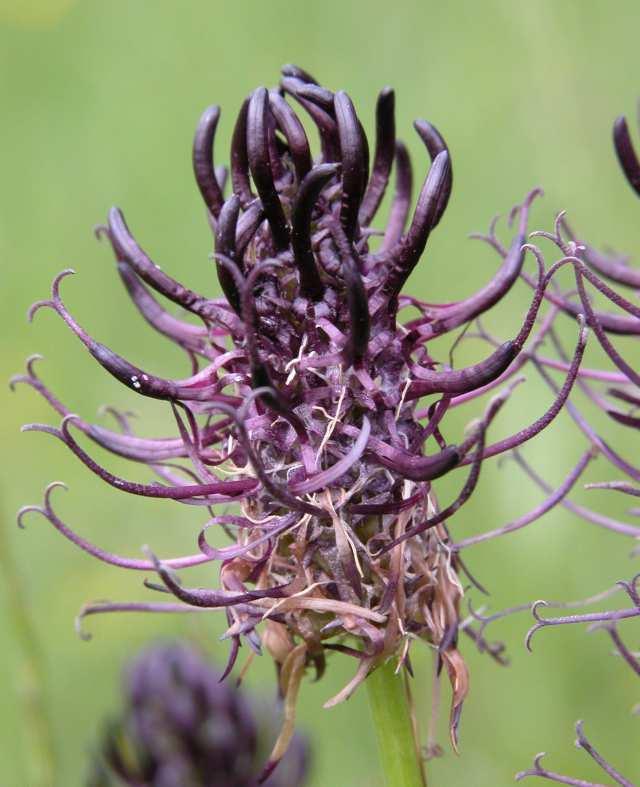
(182, 727)
(304, 404)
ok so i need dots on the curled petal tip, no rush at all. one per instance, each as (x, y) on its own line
(47, 503)
(69, 419)
(85, 636)
(291, 70)
(534, 609)
(580, 733)
(36, 427)
(31, 360)
(538, 191)
(204, 170)
(101, 231)
(55, 287)
(627, 157)
(149, 553)
(537, 769)
(35, 307)
(529, 636)
(54, 302)
(49, 489)
(20, 514)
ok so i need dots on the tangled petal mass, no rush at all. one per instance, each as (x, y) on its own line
(312, 406)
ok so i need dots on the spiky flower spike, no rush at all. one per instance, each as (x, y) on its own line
(182, 727)
(305, 412)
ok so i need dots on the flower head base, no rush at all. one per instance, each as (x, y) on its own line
(305, 412)
(183, 727)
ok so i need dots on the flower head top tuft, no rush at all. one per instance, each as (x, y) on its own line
(302, 407)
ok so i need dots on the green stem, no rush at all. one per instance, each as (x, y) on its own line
(31, 677)
(399, 751)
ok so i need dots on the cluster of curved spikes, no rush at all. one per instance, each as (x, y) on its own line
(305, 405)
(609, 390)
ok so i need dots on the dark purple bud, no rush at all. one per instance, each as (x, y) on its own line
(383, 158)
(294, 133)
(624, 396)
(311, 285)
(291, 70)
(226, 246)
(442, 319)
(359, 327)
(463, 380)
(401, 199)
(261, 166)
(623, 418)
(248, 225)
(323, 120)
(435, 144)
(409, 249)
(203, 166)
(317, 94)
(191, 337)
(626, 154)
(418, 468)
(354, 173)
(129, 251)
(240, 157)
(181, 725)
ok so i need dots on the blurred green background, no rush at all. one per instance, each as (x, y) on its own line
(99, 102)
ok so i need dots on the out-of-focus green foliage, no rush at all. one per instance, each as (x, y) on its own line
(99, 102)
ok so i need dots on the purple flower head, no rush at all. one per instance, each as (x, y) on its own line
(302, 406)
(182, 727)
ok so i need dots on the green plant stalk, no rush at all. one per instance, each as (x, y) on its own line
(41, 761)
(399, 751)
